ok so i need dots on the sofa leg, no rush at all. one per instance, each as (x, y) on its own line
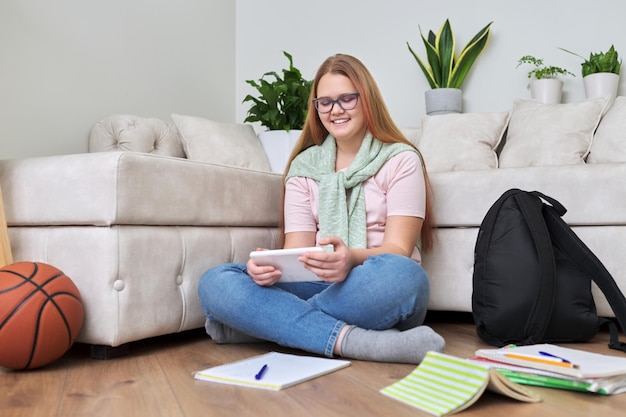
(104, 352)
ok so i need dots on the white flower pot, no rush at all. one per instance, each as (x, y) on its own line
(278, 145)
(546, 90)
(443, 101)
(601, 84)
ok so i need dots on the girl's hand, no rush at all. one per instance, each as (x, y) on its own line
(263, 275)
(330, 266)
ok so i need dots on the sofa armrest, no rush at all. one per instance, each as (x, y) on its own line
(130, 188)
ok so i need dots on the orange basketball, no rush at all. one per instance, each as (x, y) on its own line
(41, 313)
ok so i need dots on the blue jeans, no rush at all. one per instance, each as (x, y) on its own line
(385, 291)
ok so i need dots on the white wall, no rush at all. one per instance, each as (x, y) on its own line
(377, 32)
(65, 64)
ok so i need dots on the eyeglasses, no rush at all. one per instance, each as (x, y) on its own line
(345, 101)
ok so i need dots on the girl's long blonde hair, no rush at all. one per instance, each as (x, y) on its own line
(377, 119)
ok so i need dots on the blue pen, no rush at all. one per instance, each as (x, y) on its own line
(554, 356)
(260, 374)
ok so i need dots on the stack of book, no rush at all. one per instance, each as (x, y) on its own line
(444, 384)
(552, 366)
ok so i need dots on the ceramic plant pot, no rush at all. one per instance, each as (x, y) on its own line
(278, 145)
(546, 90)
(443, 101)
(601, 84)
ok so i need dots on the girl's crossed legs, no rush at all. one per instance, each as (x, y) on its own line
(377, 311)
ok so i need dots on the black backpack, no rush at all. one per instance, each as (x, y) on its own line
(532, 277)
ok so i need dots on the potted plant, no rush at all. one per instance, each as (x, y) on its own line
(281, 106)
(545, 85)
(445, 71)
(600, 73)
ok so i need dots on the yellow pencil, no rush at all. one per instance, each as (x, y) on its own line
(546, 361)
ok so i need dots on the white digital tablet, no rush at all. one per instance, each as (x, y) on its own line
(286, 260)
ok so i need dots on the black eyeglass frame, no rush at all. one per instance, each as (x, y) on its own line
(337, 101)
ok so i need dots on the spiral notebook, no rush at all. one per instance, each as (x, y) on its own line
(271, 371)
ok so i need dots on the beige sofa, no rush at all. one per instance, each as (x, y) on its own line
(575, 153)
(135, 230)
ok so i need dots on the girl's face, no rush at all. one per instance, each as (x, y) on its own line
(345, 120)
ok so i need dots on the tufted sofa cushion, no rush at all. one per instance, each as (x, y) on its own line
(136, 134)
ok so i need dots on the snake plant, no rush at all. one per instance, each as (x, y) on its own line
(444, 69)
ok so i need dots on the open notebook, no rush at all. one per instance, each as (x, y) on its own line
(444, 384)
(272, 371)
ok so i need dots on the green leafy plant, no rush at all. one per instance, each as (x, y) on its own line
(445, 69)
(608, 61)
(540, 70)
(282, 103)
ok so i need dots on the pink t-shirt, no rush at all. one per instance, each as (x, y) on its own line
(397, 189)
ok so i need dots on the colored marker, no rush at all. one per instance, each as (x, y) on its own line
(261, 372)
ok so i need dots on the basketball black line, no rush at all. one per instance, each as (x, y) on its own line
(18, 307)
(25, 278)
(21, 304)
(48, 298)
(35, 290)
(61, 313)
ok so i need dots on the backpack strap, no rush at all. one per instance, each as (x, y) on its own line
(581, 256)
(614, 342)
(531, 208)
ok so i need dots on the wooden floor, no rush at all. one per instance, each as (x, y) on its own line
(155, 379)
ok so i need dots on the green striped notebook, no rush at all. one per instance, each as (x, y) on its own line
(444, 384)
